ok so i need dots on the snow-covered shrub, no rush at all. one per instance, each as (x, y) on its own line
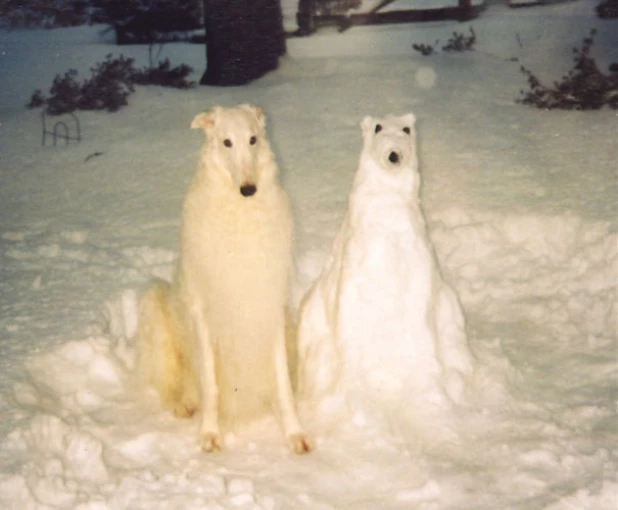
(459, 42)
(111, 83)
(424, 49)
(584, 87)
(165, 75)
(65, 94)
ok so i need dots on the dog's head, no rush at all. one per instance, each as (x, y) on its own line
(236, 144)
(391, 142)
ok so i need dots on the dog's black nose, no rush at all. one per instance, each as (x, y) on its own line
(393, 157)
(248, 189)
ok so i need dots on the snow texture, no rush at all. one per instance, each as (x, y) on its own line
(520, 207)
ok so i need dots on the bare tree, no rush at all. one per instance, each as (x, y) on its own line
(244, 40)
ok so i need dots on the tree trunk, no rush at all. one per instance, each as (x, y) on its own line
(465, 10)
(304, 17)
(244, 40)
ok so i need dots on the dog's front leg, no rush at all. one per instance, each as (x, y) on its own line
(292, 428)
(210, 435)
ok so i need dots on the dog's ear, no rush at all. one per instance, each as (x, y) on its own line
(257, 111)
(205, 120)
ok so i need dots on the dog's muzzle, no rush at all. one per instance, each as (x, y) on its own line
(248, 190)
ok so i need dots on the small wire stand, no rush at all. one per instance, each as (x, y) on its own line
(61, 130)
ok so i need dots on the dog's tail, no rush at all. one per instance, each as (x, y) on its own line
(163, 360)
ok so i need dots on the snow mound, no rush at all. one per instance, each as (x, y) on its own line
(89, 438)
(558, 272)
(92, 438)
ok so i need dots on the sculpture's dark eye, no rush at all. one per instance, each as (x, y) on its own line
(406, 130)
(378, 128)
(227, 142)
(253, 140)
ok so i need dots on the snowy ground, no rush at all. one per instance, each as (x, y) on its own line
(522, 208)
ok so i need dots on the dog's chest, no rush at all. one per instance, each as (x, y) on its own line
(247, 239)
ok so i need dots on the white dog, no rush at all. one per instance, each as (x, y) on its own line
(380, 322)
(215, 338)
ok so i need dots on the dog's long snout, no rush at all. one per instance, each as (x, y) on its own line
(247, 190)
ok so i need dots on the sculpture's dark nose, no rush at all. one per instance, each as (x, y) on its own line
(393, 157)
(248, 190)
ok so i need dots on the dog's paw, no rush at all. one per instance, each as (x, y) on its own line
(211, 442)
(299, 443)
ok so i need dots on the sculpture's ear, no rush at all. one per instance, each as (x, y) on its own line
(257, 111)
(205, 120)
(367, 125)
(409, 120)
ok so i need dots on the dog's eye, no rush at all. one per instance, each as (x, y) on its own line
(378, 128)
(406, 130)
(227, 142)
(253, 140)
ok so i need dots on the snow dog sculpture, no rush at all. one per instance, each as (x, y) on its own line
(380, 321)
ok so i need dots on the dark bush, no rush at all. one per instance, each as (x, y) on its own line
(111, 83)
(424, 49)
(584, 87)
(459, 42)
(65, 94)
(36, 100)
(138, 22)
(165, 75)
(45, 14)
(608, 9)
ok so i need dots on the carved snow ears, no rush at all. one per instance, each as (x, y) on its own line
(369, 125)
(207, 120)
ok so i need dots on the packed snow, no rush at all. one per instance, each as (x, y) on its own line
(521, 207)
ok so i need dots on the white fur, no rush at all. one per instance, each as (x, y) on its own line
(215, 338)
(380, 322)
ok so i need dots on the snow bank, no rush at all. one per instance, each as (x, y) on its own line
(556, 272)
(90, 438)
